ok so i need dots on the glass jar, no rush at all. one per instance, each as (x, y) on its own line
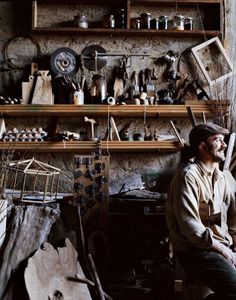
(146, 20)
(178, 22)
(163, 22)
(188, 23)
(109, 21)
(81, 21)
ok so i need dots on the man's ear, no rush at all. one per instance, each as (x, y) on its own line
(202, 147)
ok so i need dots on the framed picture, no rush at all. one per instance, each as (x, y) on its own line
(213, 60)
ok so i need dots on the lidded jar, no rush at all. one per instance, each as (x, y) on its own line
(188, 23)
(163, 22)
(178, 22)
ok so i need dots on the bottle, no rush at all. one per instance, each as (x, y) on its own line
(120, 18)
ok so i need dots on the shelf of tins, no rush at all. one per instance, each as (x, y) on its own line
(91, 146)
(209, 11)
(70, 110)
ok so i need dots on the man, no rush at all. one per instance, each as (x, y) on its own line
(201, 214)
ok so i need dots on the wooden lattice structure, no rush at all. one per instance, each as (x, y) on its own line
(32, 180)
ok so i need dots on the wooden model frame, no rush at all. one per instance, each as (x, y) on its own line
(43, 179)
(214, 67)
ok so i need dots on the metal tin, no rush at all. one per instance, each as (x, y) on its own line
(188, 23)
(135, 23)
(146, 20)
(178, 22)
(163, 22)
(109, 21)
(155, 24)
(81, 21)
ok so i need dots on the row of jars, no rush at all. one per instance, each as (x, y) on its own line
(146, 21)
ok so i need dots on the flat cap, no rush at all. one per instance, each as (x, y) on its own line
(202, 131)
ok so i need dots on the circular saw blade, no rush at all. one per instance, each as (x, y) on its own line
(64, 61)
(94, 57)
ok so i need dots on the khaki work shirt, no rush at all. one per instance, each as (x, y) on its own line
(200, 207)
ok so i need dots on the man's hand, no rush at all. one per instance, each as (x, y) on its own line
(228, 254)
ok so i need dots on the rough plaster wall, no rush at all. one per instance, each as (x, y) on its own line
(15, 20)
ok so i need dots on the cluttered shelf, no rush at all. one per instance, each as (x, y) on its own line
(89, 146)
(71, 110)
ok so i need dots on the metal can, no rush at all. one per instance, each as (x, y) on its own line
(178, 22)
(81, 21)
(135, 23)
(109, 21)
(155, 24)
(146, 20)
(163, 22)
(188, 23)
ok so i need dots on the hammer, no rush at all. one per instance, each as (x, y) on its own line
(92, 121)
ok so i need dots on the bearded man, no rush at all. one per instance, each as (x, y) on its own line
(201, 214)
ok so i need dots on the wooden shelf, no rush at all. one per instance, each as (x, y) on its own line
(127, 32)
(70, 110)
(211, 12)
(90, 146)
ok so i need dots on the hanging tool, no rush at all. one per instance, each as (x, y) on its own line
(149, 87)
(136, 90)
(95, 57)
(64, 61)
(92, 122)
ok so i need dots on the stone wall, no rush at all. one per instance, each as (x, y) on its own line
(15, 20)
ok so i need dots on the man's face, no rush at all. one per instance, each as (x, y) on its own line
(215, 147)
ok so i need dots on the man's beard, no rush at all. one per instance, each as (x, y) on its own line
(216, 155)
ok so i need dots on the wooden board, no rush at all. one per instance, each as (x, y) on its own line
(43, 89)
(50, 273)
(27, 89)
(91, 192)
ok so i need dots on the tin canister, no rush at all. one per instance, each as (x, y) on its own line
(109, 21)
(135, 23)
(146, 20)
(178, 22)
(154, 23)
(163, 22)
(188, 23)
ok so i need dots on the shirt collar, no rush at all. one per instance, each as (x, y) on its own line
(206, 171)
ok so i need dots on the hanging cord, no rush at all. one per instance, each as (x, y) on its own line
(10, 60)
(108, 129)
(145, 115)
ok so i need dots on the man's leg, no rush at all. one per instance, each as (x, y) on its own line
(212, 269)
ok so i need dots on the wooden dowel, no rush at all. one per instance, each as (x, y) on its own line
(191, 116)
(177, 134)
(97, 280)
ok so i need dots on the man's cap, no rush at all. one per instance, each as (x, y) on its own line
(202, 131)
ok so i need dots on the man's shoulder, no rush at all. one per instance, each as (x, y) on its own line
(189, 168)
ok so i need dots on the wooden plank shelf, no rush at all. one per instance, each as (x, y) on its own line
(90, 146)
(70, 110)
(127, 32)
